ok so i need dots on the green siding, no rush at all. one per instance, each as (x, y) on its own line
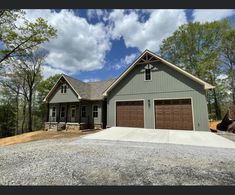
(89, 117)
(58, 97)
(165, 83)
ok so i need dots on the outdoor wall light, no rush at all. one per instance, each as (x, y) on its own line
(149, 103)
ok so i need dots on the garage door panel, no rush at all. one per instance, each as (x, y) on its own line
(130, 114)
(173, 114)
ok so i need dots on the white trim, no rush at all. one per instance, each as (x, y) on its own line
(49, 93)
(96, 111)
(145, 74)
(128, 100)
(205, 84)
(175, 98)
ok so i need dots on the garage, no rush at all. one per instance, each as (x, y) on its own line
(130, 114)
(173, 114)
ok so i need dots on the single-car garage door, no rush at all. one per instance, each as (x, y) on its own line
(130, 114)
(173, 114)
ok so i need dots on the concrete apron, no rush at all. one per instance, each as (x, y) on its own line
(195, 138)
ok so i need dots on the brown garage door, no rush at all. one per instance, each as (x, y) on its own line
(173, 114)
(130, 114)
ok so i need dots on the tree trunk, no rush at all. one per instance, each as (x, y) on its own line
(217, 107)
(30, 111)
(17, 111)
(24, 113)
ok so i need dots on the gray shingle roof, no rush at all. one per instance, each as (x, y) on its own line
(90, 90)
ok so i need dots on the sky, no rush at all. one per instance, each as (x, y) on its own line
(94, 45)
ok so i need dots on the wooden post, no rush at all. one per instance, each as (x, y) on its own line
(67, 109)
(48, 112)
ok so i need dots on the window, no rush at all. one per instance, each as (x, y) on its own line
(53, 111)
(73, 110)
(95, 111)
(148, 74)
(62, 114)
(83, 111)
(63, 88)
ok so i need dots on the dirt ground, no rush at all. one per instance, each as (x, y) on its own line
(41, 135)
(213, 124)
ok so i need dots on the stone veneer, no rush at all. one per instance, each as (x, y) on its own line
(54, 126)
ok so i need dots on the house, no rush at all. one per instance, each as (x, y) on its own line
(150, 93)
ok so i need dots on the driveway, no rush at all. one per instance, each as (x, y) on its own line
(194, 138)
(79, 161)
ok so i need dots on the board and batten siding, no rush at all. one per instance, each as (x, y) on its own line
(69, 96)
(89, 112)
(166, 83)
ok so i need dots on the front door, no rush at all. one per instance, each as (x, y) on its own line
(73, 113)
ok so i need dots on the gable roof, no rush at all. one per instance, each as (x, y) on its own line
(147, 57)
(86, 91)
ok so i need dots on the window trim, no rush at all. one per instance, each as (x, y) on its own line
(97, 111)
(63, 88)
(53, 111)
(83, 111)
(145, 74)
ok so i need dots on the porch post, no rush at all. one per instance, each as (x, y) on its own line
(48, 109)
(79, 112)
(67, 109)
(59, 113)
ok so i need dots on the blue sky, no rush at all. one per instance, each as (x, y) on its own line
(99, 44)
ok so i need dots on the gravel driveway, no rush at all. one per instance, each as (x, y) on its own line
(95, 162)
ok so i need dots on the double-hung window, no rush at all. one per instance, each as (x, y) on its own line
(95, 111)
(53, 111)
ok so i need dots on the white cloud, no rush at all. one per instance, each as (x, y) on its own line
(127, 60)
(100, 14)
(148, 34)
(91, 80)
(79, 46)
(48, 71)
(210, 15)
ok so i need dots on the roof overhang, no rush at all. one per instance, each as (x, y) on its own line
(137, 61)
(54, 87)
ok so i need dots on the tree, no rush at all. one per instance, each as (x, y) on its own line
(43, 89)
(22, 38)
(7, 113)
(196, 48)
(228, 58)
(28, 68)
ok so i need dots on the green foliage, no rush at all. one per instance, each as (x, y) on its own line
(7, 114)
(197, 48)
(21, 39)
(45, 86)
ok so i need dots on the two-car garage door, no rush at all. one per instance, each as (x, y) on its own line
(169, 114)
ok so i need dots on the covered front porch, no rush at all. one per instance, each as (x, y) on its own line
(74, 115)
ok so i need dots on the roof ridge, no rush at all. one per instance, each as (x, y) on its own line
(73, 78)
(101, 81)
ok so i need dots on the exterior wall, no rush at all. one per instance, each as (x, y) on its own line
(58, 97)
(89, 116)
(93, 122)
(165, 83)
